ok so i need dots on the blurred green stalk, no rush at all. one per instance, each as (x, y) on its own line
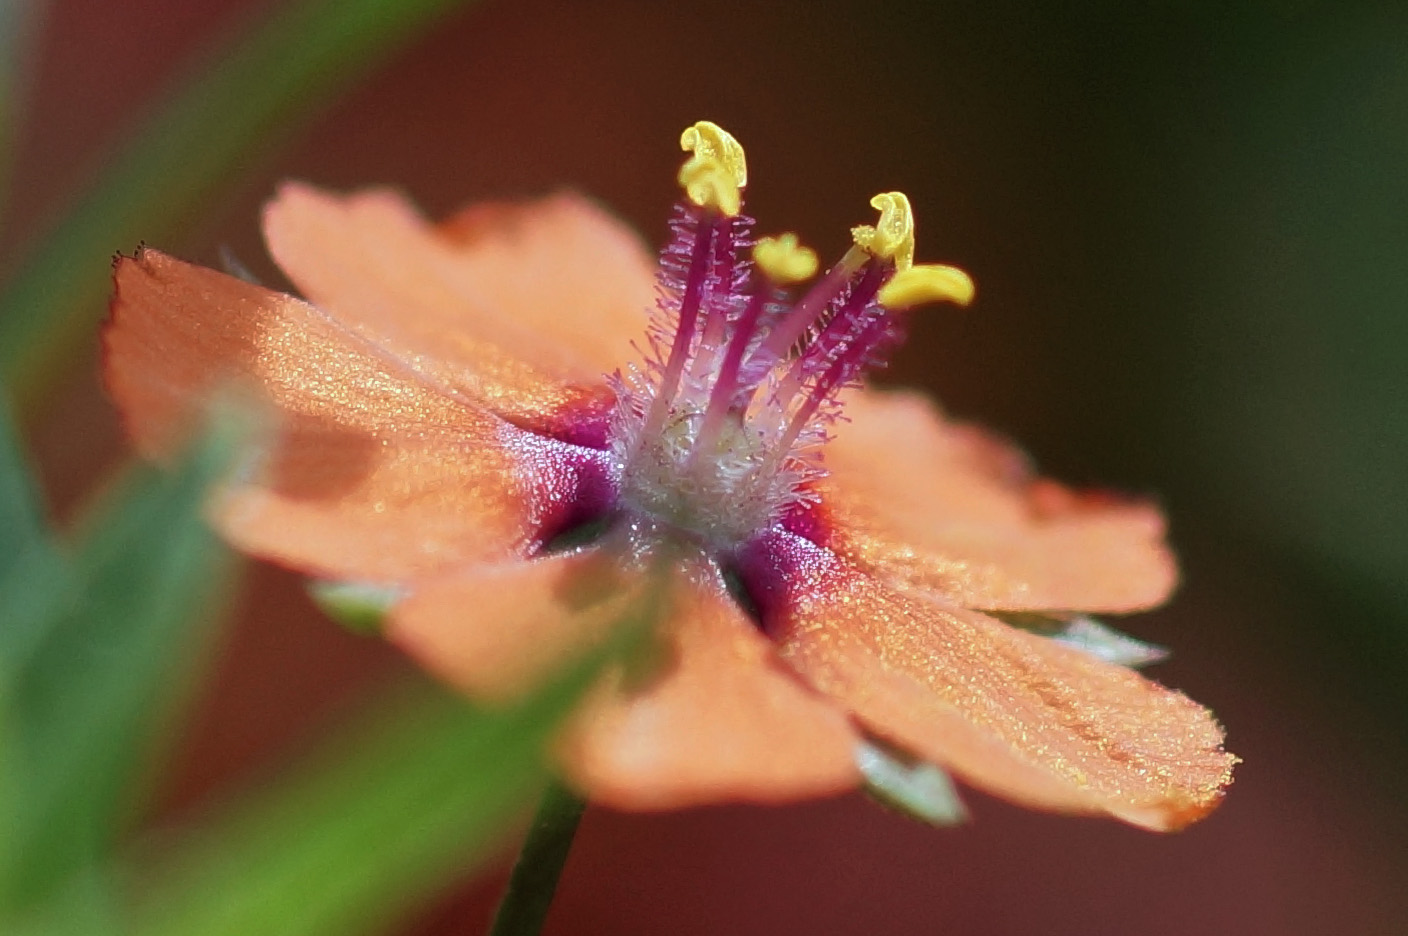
(100, 637)
(207, 134)
(392, 810)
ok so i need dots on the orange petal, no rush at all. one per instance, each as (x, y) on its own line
(495, 631)
(500, 299)
(957, 512)
(720, 720)
(1009, 712)
(373, 474)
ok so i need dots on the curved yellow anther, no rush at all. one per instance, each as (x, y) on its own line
(716, 171)
(784, 259)
(892, 237)
(929, 282)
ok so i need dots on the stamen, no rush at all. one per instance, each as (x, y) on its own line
(859, 307)
(786, 333)
(722, 297)
(784, 259)
(716, 434)
(690, 308)
(847, 364)
(929, 282)
(780, 261)
(722, 396)
(890, 240)
(716, 172)
(832, 343)
(892, 237)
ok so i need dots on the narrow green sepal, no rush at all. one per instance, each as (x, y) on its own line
(916, 788)
(361, 607)
(1089, 635)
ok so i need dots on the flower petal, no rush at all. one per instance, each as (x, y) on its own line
(718, 720)
(372, 474)
(494, 631)
(1012, 713)
(957, 512)
(497, 300)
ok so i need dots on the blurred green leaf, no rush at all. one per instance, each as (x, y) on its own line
(85, 705)
(35, 578)
(208, 132)
(21, 515)
(391, 809)
(34, 582)
(36, 592)
(387, 814)
(345, 847)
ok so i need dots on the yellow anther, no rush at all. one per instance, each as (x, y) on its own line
(929, 282)
(784, 259)
(892, 237)
(716, 171)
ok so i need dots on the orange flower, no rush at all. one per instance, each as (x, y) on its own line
(444, 428)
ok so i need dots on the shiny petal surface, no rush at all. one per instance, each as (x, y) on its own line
(1012, 713)
(370, 473)
(950, 509)
(714, 718)
(525, 307)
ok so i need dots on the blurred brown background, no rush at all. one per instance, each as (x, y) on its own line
(1189, 227)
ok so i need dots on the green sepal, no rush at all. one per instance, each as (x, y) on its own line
(361, 607)
(916, 788)
(1085, 633)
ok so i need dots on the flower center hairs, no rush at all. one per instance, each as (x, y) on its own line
(719, 433)
(513, 430)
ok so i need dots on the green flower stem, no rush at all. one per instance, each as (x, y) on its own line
(525, 903)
